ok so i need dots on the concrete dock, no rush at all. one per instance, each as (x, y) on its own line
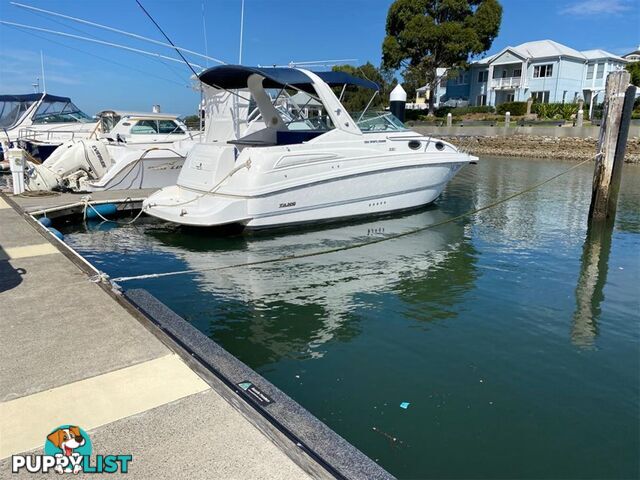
(72, 352)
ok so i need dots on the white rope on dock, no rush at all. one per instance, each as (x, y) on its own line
(356, 245)
(87, 205)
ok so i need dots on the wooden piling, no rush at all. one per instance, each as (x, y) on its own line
(612, 143)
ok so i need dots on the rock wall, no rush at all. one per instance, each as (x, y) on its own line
(561, 148)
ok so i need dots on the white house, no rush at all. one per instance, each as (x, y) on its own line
(633, 56)
(545, 70)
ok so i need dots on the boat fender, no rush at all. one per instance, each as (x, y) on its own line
(106, 210)
(45, 221)
(57, 233)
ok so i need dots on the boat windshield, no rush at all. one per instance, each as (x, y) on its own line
(108, 121)
(56, 111)
(378, 122)
(12, 110)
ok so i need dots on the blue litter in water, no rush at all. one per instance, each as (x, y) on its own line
(57, 233)
(405, 405)
(45, 221)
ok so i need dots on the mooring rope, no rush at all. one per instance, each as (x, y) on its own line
(355, 245)
(87, 205)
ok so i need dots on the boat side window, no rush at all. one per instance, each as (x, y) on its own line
(302, 111)
(12, 111)
(59, 112)
(145, 127)
(169, 127)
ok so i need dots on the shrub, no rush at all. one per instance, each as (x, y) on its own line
(555, 110)
(515, 108)
(597, 111)
(442, 111)
(477, 109)
(413, 114)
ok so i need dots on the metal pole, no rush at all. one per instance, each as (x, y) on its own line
(241, 32)
(44, 81)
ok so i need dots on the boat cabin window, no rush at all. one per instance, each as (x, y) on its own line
(147, 127)
(169, 126)
(54, 111)
(12, 110)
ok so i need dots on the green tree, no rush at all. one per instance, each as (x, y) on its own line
(634, 70)
(423, 35)
(192, 121)
(356, 99)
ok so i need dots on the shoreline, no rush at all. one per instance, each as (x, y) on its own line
(534, 146)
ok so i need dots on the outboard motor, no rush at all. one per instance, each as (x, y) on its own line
(68, 164)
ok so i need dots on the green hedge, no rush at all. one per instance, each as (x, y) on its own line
(515, 108)
(414, 114)
(459, 111)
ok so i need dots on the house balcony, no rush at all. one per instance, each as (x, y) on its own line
(506, 83)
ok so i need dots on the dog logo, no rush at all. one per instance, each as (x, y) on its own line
(68, 449)
(68, 441)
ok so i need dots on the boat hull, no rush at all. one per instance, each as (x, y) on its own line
(149, 172)
(365, 193)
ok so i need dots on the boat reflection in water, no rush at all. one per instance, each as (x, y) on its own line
(293, 307)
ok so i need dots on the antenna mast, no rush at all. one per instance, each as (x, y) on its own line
(44, 81)
(204, 32)
(241, 32)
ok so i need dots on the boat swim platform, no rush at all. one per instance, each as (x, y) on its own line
(138, 378)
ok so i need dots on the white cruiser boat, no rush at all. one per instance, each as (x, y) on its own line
(301, 167)
(133, 150)
(40, 122)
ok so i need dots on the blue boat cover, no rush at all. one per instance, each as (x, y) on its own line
(231, 77)
(32, 97)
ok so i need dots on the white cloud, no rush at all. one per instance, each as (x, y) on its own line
(597, 7)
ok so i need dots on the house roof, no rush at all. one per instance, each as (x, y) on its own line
(549, 48)
(546, 48)
(635, 52)
(599, 53)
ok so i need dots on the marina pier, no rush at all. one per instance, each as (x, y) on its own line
(84, 353)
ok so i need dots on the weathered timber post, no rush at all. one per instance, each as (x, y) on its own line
(612, 144)
(580, 118)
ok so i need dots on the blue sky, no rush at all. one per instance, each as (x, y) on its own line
(276, 32)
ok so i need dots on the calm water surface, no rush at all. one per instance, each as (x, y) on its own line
(514, 337)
